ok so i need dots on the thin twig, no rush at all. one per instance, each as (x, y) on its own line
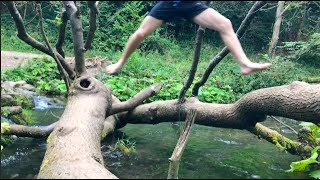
(284, 124)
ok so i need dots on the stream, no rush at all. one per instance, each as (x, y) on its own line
(211, 153)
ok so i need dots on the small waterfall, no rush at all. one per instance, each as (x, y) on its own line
(43, 102)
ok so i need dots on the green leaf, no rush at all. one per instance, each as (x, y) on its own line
(4, 127)
(303, 165)
(315, 174)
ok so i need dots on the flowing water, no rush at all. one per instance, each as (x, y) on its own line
(214, 153)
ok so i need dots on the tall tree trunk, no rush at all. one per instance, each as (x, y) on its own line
(276, 30)
(302, 21)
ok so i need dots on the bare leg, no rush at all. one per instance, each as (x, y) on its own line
(148, 25)
(213, 20)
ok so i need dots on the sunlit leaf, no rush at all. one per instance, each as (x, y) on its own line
(315, 174)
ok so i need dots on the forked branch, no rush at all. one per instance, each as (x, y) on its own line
(59, 66)
(23, 35)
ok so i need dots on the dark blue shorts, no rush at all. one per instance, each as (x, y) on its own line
(167, 10)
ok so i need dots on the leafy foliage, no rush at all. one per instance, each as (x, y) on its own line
(4, 127)
(315, 174)
(315, 133)
(303, 165)
(308, 51)
(126, 146)
(306, 164)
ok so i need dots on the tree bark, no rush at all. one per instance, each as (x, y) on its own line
(74, 149)
(276, 30)
(299, 101)
(77, 37)
(180, 146)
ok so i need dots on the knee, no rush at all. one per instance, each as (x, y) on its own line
(226, 25)
(140, 34)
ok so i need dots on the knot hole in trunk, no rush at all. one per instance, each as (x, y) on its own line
(85, 84)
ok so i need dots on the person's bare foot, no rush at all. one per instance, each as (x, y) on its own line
(113, 68)
(254, 67)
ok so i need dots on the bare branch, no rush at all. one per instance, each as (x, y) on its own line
(62, 32)
(277, 139)
(26, 131)
(60, 68)
(244, 25)
(298, 100)
(284, 124)
(23, 35)
(11, 110)
(135, 100)
(180, 146)
(77, 36)
(92, 23)
(195, 61)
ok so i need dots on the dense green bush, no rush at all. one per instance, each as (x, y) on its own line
(307, 52)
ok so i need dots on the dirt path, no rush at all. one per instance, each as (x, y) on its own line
(11, 59)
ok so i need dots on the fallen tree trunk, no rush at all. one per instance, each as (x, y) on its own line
(11, 110)
(74, 149)
(74, 145)
(299, 101)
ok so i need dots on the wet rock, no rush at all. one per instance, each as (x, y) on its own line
(7, 100)
(28, 87)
